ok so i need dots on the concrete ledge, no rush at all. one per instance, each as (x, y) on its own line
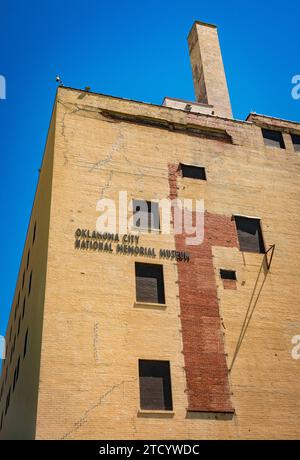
(155, 413)
(156, 306)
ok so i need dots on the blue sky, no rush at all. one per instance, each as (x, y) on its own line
(132, 49)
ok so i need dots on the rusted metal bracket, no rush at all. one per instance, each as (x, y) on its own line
(269, 260)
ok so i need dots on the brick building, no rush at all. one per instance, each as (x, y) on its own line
(139, 335)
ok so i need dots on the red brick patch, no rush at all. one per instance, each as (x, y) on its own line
(202, 335)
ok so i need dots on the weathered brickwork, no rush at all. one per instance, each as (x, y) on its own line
(202, 335)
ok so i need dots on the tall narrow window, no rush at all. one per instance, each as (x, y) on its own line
(249, 234)
(17, 369)
(145, 215)
(28, 258)
(149, 283)
(193, 172)
(24, 305)
(19, 324)
(34, 233)
(273, 138)
(14, 382)
(155, 385)
(30, 282)
(1, 422)
(25, 344)
(296, 142)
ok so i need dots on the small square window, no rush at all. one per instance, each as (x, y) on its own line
(249, 234)
(273, 138)
(146, 215)
(227, 274)
(296, 141)
(155, 385)
(193, 172)
(149, 283)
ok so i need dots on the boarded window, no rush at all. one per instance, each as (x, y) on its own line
(193, 172)
(146, 214)
(273, 138)
(227, 274)
(249, 234)
(296, 142)
(155, 385)
(149, 283)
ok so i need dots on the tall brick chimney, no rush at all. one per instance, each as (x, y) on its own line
(208, 70)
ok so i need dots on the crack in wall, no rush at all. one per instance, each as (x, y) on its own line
(118, 144)
(106, 185)
(139, 173)
(95, 342)
(63, 127)
(83, 420)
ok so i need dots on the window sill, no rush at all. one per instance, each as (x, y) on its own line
(158, 306)
(146, 230)
(156, 413)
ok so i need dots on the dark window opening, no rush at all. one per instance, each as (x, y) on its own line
(24, 304)
(227, 274)
(273, 138)
(30, 281)
(34, 233)
(193, 172)
(146, 215)
(25, 344)
(149, 283)
(28, 257)
(19, 324)
(155, 385)
(14, 383)
(23, 280)
(296, 142)
(1, 422)
(17, 369)
(249, 234)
